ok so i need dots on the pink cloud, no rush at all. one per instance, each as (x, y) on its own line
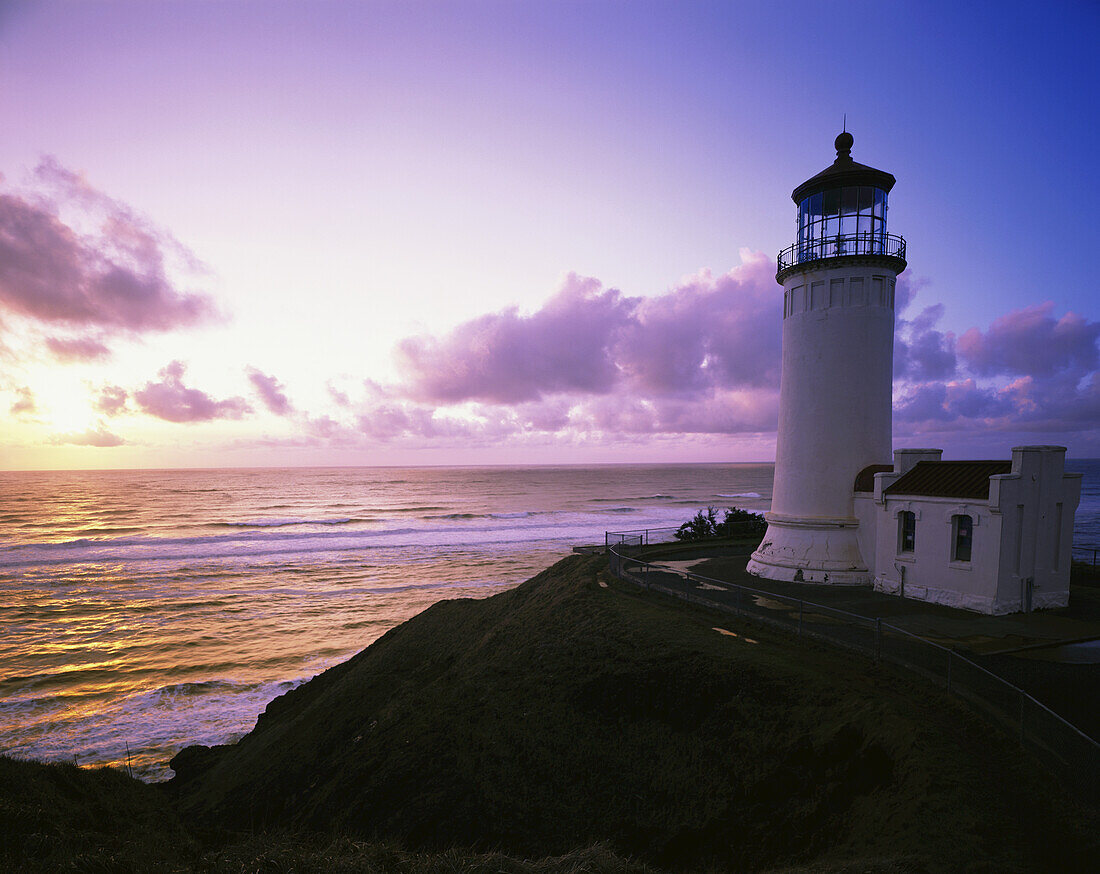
(340, 398)
(271, 392)
(171, 400)
(25, 405)
(594, 367)
(1038, 374)
(921, 352)
(506, 357)
(1031, 342)
(114, 273)
(67, 349)
(706, 333)
(111, 400)
(586, 340)
(98, 436)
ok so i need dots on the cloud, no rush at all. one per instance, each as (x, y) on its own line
(566, 346)
(1031, 342)
(171, 400)
(592, 366)
(949, 402)
(111, 400)
(920, 351)
(72, 256)
(98, 436)
(67, 349)
(702, 358)
(340, 398)
(271, 392)
(1029, 372)
(705, 334)
(25, 405)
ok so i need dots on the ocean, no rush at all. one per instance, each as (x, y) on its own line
(143, 611)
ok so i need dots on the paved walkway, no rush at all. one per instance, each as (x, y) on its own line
(947, 626)
(1022, 648)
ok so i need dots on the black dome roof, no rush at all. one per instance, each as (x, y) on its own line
(843, 172)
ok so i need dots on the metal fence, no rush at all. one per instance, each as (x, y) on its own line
(649, 536)
(1068, 752)
(1085, 554)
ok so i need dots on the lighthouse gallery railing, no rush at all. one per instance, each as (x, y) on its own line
(840, 245)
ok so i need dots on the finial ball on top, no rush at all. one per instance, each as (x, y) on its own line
(843, 144)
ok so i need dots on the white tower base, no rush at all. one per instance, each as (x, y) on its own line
(811, 549)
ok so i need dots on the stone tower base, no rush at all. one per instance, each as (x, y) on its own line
(811, 549)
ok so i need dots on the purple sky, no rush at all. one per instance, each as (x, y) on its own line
(488, 232)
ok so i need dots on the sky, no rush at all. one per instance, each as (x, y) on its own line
(328, 233)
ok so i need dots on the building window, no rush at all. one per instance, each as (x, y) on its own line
(963, 529)
(907, 531)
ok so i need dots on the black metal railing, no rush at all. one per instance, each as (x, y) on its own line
(839, 246)
(1067, 751)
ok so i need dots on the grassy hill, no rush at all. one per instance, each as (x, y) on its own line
(580, 722)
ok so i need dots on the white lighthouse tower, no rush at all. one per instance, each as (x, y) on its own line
(835, 389)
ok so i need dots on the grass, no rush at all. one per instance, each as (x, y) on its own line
(565, 726)
(1083, 574)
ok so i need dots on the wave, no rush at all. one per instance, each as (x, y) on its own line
(523, 514)
(110, 530)
(258, 544)
(639, 498)
(739, 495)
(283, 523)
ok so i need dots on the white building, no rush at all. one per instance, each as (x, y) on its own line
(992, 536)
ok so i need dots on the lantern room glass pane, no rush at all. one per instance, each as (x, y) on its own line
(849, 198)
(866, 200)
(842, 221)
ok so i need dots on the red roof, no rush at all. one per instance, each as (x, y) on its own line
(865, 479)
(949, 479)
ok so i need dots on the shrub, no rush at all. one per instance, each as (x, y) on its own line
(737, 523)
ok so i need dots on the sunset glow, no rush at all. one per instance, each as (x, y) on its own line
(382, 233)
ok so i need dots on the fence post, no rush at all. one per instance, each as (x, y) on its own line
(800, 618)
(1021, 717)
(949, 654)
(878, 638)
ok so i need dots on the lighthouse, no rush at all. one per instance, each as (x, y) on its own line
(838, 281)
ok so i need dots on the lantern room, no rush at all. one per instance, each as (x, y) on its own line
(842, 212)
